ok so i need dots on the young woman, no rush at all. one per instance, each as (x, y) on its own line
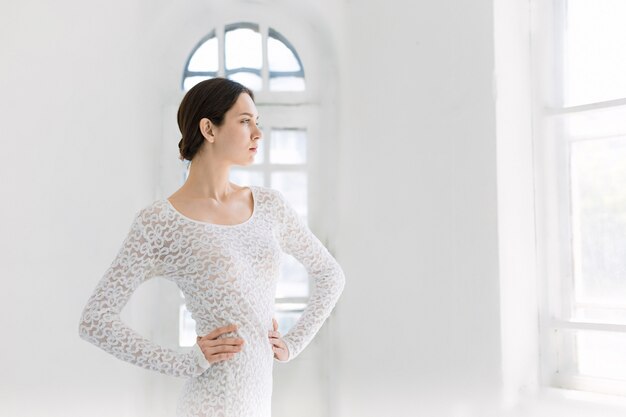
(222, 244)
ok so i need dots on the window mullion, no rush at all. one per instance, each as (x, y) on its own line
(221, 51)
(265, 67)
(587, 107)
(581, 325)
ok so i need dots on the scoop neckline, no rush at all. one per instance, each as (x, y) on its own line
(254, 210)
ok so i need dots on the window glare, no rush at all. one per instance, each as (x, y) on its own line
(242, 60)
(250, 80)
(598, 171)
(595, 51)
(187, 325)
(280, 57)
(597, 123)
(287, 84)
(243, 49)
(600, 354)
(294, 187)
(293, 280)
(288, 146)
(205, 57)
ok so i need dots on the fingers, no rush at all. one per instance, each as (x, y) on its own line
(279, 347)
(214, 338)
(216, 348)
(220, 353)
(219, 349)
(275, 338)
(278, 342)
(274, 333)
(220, 331)
(221, 342)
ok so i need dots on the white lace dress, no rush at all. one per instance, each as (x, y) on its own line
(228, 274)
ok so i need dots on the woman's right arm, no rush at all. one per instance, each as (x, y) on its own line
(100, 322)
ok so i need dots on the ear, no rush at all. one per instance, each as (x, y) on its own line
(207, 128)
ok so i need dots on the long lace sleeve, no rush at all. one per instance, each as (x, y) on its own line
(325, 274)
(100, 322)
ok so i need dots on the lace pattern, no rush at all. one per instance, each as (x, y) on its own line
(228, 274)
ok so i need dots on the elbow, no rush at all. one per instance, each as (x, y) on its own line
(83, 325)
(89, 324)
(340, 281)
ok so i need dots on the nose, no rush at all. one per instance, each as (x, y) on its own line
(258, 134)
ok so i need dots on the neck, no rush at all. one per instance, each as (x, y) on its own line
(209, 180)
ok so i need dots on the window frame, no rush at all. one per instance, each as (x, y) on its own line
(266, 32)
(554, 229)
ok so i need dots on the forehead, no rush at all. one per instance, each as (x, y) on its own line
(244, 104)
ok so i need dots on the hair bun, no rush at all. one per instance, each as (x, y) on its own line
(180, 149)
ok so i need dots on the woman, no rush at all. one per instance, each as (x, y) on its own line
(222, 245)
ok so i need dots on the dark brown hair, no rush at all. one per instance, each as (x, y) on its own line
(211, 99)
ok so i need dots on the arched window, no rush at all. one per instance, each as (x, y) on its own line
(261, 60)
(264, 60)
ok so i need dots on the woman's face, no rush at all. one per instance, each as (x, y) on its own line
(239, 133)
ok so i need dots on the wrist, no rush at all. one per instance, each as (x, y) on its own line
(199, 358)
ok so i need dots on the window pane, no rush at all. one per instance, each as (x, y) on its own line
(288, 146)
(191, 81)
(287, 315)
(294, 187)
(293, 280)
(287, 84)
(595, 51)
(600, 313)
(280, 57)
(596, 123)
(205, 57)
(601, 354)
(187, 326)
(598, 187)
(250, 80)
(243, 49)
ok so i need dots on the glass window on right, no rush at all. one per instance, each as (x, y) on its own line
(579, 56)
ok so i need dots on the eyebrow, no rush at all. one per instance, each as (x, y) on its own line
(248, 114)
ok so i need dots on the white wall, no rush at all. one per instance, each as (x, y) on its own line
(77, 114)
(418, 327)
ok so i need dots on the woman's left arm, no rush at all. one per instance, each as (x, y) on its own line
(325, 274)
